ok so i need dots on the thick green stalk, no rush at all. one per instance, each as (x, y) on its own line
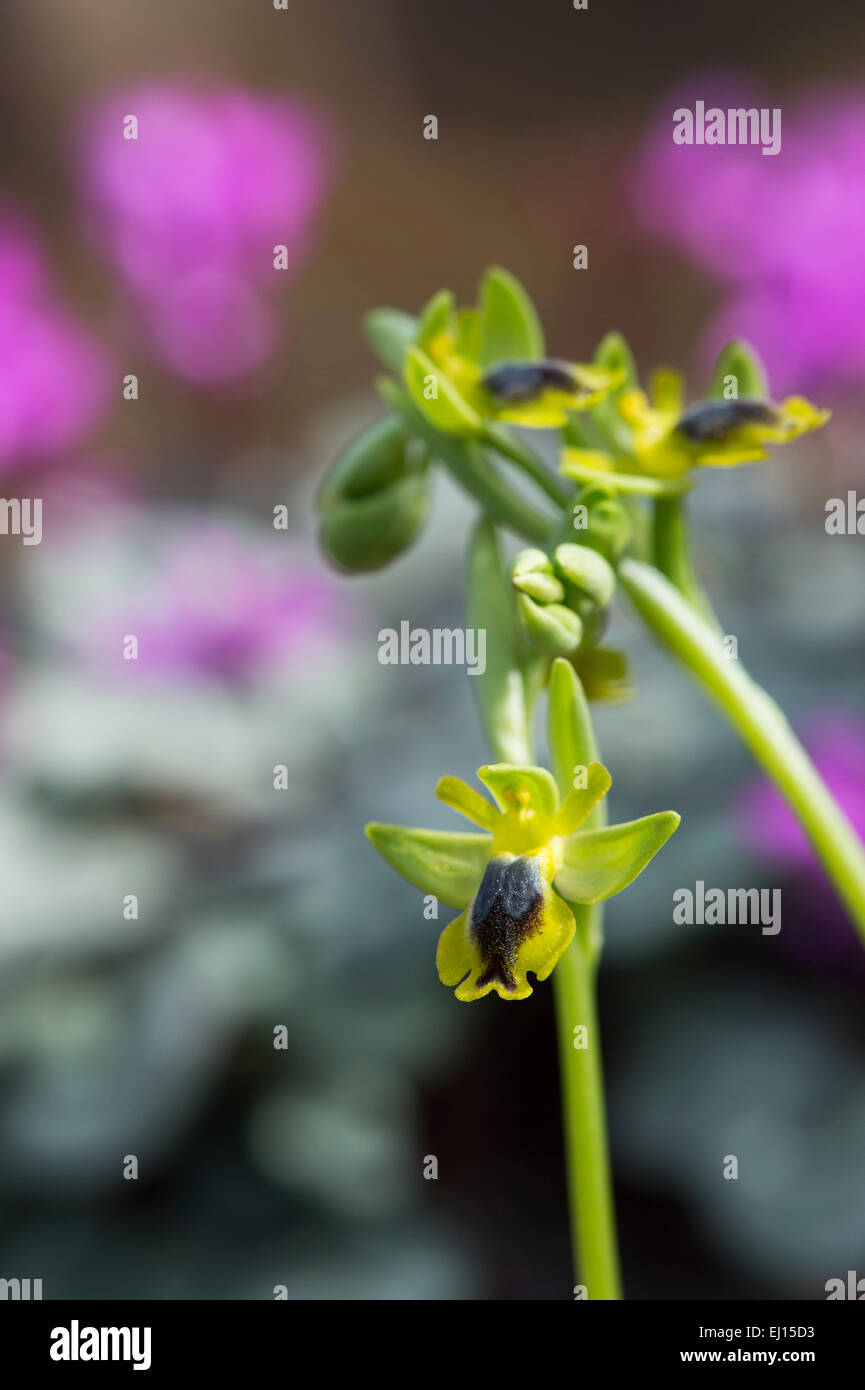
(531, 463)
(761, 725)
(593, 1217)
(673, 553)
(593, 1221)
(590, 1192)
(467, 463)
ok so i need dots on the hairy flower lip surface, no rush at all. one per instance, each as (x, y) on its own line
(712, 421)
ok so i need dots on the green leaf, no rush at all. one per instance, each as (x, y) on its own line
(572, 739)
(448, 864)
(390, 333)
(599, 863)
(738, 359)
(500, 691)
(510, 329)
(550, 627)
(437, 398)
(510, 783)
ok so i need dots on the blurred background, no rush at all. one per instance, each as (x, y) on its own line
(148, 1031)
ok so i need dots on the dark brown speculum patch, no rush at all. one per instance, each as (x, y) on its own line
(518, 382)
(505, 913)
(711, 421)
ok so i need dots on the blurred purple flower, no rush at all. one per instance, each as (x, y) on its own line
(220, 606)
(820, 929)
(783, 232)
(210, 597)
(53, 375)
(189, 214)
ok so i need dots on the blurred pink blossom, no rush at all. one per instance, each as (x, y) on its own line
(212, 596)
(783, 232)
(189, 214)
(53, 374)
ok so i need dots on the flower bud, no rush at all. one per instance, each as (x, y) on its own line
(551, 628)
(532, 573)
(610, 529)
(587, 571)
(375, 500)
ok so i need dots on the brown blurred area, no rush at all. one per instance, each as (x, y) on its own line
(538, 105)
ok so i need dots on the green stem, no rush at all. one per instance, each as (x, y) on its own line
(531, 463)
(761, 725)
(469, 466)
(593, 1221)
(590, 1188)
(590, 1191)
(673, 554)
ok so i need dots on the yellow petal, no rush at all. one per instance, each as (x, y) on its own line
(455, 957)
(542, 953)
(581, 800)
(457, 794)
(668, 390)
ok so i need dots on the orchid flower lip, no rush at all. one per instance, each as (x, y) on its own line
(526, 381)
(712, 421)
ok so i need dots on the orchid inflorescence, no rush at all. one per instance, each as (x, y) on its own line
(610, 518)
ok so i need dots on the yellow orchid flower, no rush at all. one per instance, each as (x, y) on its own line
(469, 367)
(669, 439)
(514, 881)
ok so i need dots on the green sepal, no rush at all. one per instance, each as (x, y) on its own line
(500, 691)
(581, 801)
(510, 329)
(599, 863)
(739, 359)
(605, 673)
(447, 410)
(614, 353)
(550, 627)
(569, 724)
(511, 783)
(390, 334)
(588, 571)
(437, 316)
(448, 864)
